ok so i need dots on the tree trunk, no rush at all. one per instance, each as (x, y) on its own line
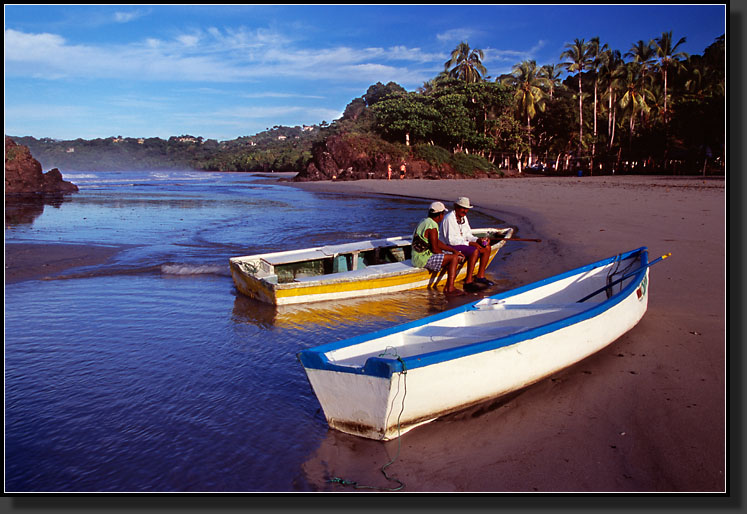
(594, 141)
(529, 138)
(614, 123)
(580, 112)
(666, 117)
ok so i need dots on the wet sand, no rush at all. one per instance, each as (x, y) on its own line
(646, 414)
(30, 261)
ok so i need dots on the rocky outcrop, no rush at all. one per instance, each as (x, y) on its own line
(24, 176)
(355, 157)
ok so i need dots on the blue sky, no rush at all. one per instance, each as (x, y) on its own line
(225, 71)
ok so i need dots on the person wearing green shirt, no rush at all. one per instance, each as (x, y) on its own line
(428, 250)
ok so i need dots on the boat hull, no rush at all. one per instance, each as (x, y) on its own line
(387, 397)
(387, 278)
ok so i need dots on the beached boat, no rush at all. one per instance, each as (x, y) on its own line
(383, 384)
(335, 272)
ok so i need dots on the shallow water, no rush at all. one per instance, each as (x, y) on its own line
(151, 372)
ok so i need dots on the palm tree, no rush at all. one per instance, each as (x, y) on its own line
(551, 72)
(597, 55)
(466, 64)
(578, 55)
(644, 54)
(529, 96)
(633, 100)
(668, 56)
(610, 73)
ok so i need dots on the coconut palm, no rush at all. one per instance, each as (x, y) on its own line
(611, 74)
(529, 96)
(551, 72)
(668, 58)
(577, 53)
(597, 55)
(633, 100)
(466, 63)
(644, 54)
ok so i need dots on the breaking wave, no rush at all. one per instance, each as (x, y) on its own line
(193, 269)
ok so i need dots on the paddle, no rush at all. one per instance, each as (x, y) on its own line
(517, 239)
(627, 275)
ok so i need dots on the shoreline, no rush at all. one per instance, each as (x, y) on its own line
(37, 261)
(645, 414)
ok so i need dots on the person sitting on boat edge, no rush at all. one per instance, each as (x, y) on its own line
(427, 248)
(456, 232)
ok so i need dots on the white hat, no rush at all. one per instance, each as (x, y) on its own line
(464, 202)
(437, 207)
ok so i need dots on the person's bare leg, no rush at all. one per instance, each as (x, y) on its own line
(484, 256)
(452, 262)
(471, 266)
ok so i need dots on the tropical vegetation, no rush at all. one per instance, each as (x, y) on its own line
(650, 108)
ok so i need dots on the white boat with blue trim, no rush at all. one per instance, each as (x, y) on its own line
(381, 385)
(336, 272)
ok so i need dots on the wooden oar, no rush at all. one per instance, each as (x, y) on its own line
(627, 275)
(520, 239)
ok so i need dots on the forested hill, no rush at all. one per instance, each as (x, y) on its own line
(651, 109)
(277, 149)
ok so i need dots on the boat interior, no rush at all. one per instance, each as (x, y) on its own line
(357, 260)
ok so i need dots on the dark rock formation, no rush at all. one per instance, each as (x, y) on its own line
(24, 176)
(354, 157)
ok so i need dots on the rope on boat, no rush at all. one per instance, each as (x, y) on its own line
(615, 270)
(356, 485)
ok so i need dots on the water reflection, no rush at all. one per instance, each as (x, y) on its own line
(24, 209)
(372, 312)
(380, 310)
(358, 461)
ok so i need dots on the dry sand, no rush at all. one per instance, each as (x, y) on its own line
(645, 414)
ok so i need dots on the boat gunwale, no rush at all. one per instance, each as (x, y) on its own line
(332, 278)
(315, 358)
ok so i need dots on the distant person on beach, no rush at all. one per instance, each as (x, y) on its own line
(389, 172)
(456, 232)
(427, 248)
(402, 170)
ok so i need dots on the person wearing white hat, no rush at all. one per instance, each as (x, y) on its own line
(456, 232)
(428, 250)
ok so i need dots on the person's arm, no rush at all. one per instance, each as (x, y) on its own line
(433, 241)
(437, 246)
(467, 230)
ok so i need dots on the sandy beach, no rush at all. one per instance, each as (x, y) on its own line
(29, 261)
(646, 414)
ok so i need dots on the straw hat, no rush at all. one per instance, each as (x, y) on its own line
(464, 202)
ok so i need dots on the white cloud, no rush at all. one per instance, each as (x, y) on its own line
(126, 17)
(208, 56)
(457, 35)
(272, 94)
(188, 40)
(512, 56)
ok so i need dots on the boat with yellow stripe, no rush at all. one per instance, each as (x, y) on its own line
(350, 270)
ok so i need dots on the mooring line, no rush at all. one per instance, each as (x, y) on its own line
(355, 484)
